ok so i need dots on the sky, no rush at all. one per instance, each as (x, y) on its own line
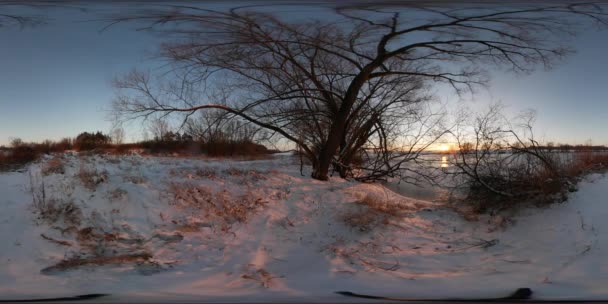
(55, 82)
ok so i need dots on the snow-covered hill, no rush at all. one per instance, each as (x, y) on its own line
(177, 228)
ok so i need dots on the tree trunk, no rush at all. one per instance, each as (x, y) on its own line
(338, 126)
(321, 170)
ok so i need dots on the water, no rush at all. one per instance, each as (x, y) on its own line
(434, 162)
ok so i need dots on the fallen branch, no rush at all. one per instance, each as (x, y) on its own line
(393, 267)
(99, 261)
(483, 244)
(58, 242)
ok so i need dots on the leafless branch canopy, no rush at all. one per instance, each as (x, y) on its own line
(348, 81)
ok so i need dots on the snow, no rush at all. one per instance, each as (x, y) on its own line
(294, 243)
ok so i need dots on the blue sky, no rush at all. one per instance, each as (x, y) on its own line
(55, 82)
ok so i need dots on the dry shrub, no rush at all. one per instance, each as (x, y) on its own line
(261, 276)
(97, 261)
(229, 148)
(363, 220)
(207, 173)
(24, 154)
(95, 240)
(204, 173)
(50, 209)
(54, 210)
(123, 149)
(540, 186)
(221, 207)
(117, 194)
(169, 147)
(56, 241)
(134, 179)
(90, 177)
(253, 175)
(371, 212)
(53, 166)
(585, 162)
(49, 146)
(380, 205)
(17, 157)
(239, 209)
(364, 254)
(90, 141)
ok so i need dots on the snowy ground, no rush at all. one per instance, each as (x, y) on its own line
(175, 228)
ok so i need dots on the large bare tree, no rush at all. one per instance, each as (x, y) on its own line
(349, 81)
(25, 13)
(11, 16)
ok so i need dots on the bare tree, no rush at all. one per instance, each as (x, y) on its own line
(21, 13)
(158, 128)
(220, 126)
(117, 134)
(335, 86)
(10, 16)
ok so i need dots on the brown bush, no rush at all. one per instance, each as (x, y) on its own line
(90, 177)
(52, 209)
(17, 157)
(588, 161)
(97, 261)
(371, 212)
(363, 220)
(543, 185)
(90, 141)
(254, 175)
(206, 173)
(233, 148)
(53, 166)
(170, 147)
(117, 194)
(23, 154)
(122, 149)
(383, 206)
(134, 179)
(222, 207)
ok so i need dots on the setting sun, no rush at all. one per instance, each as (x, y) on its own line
(444, 148)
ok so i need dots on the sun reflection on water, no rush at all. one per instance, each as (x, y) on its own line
(444, 162)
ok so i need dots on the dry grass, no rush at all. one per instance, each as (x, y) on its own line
(585, 162)
(252, 175)
(134, 179)
(207, 173)
(201, 173)
(54, 166)
(58, 242)
(17, 157)
(364, 254)
(261, 276)
(363, 220)
(51, 209)
(372, 211)
(380, 205)
(220, 207)
(90, 177)
(97, 261)
(65, 211)
(538, 186)
(498, 188)
(117, 194)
